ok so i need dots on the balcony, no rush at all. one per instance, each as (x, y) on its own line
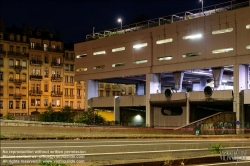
(66, 96)
(56, 93)
(54, 50)
(50, 49)
(56, 79)
(35, 92)
(22, 54)
(11, 79)
(36, 63)
(55, 64)
(12, 53)
(18, 81)
(72, 96)
(107, 87)
(2, 52)
(69, 59)
(36, 77)
(18, 68)
(17, 96)
(79, 97)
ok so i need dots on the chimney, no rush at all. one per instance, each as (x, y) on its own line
(2, 25)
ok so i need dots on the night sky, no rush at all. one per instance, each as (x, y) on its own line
(76, 18)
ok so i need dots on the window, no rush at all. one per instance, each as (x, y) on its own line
(72, 56)
(46, 59)
(45, 102)
(71, 92)
(24, 64)
(1, 76)
(11, 76)
(71, 104)
(66, 103)
(1, 47)
(71, 67)
(17, 104)
(32, 45)
(66, 67)
(101, 93)
(58, 74)
(46, 73)
(1, 62)
(17, 49)
(11, 62)
(78, 91)
(78, 104)
(45, 47)
(24, 38)
(53, 103)
(37, 102)
(23, 104)
(1, 90)
(66, 79)
(107, 93)
(33, 101)
(46, 88)
(23, 91)
(66, 92)
(71, 79)
(24, 77)
(58, 103)
(58, 88)
(66, 55)
(11, 91)
(17, 63)
(24, 49)
(10, 104)
(1, 104)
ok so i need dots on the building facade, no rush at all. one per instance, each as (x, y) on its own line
(35, 70)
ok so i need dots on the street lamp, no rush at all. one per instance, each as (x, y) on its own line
(120, 20)
(201, 5)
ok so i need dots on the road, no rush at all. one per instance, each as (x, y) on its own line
(108, 151)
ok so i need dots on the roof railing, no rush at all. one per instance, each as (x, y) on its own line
(191, 14)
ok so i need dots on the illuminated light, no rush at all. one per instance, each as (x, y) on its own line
(248, 47)
(99, 53)
(224, 50)
(118, 64)
(81, 56)
(138, 117)
(81, 69)
(191, 54)
(224, 81)
(222, 31)
(164, 41)
(99, 67)
(118, 49)
(140, 45)
(164, 58)
(192, 36)
(248, 26)
(140, 61)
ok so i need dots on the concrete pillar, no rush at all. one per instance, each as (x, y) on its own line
(187, 110)
(240, 83)
(91, 90)
(117, 109)
(140, 88)
(203, 82)
(153, 85)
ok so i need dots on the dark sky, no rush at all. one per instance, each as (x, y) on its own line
(75, 18)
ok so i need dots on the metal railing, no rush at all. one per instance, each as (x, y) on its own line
(191, 14)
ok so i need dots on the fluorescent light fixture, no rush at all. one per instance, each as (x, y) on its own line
(224, 81)
(248, 47)
(81, 69)
(191, 54)
(99, 53)
(164, 41)
(99, 67)
(248, 26)
(224, 50)
(192, 36)
(164, 58)
(81, 56)
(202, 73)
(140, 61)
(118, 49)
(140, 45)
(222, 31)
(118, 64)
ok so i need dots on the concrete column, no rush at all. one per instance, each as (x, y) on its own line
(203, 82)
(117, 109)
(153, 85)
(140, 88)
(91, 90)
(240, 83)
(187, 110)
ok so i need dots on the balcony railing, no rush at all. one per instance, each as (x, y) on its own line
(35, 62)
(56, 93)
(36, 77)
(17, 96)
(3, 52)
(72, 96)
(79, 97)
(56, 79)
(35, 92)
(11, 53)
(55, 64)
(19, 54)
(18, 67)
(18, 81)
(69, 58)
(46, 49)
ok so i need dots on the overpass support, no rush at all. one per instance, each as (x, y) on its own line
(153, 85)
(91, 90)
(240, 83)
(117, 109)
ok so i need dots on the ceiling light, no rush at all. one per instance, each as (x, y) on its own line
(99, 53)
(192, 36)
(224, 50)
(118, 49)
(140, 45)
(164, 58)
(164, 41)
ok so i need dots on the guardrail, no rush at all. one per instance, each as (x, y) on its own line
(200, 12)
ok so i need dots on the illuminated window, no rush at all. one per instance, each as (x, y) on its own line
(81, 69)
(192, 37)
(81, 56)
(140, 45)
(165, 58)
(99, 67)
(224, 50)
(191, 54)
(118, 64)
(118, 49)
(222, 31)
(99, 53)
(140, 61)
(164, 41)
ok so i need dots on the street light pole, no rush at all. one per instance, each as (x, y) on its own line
(120, 20)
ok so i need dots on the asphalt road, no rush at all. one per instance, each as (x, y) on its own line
(107, 151)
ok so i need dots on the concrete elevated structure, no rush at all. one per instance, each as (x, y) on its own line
(184, 57)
